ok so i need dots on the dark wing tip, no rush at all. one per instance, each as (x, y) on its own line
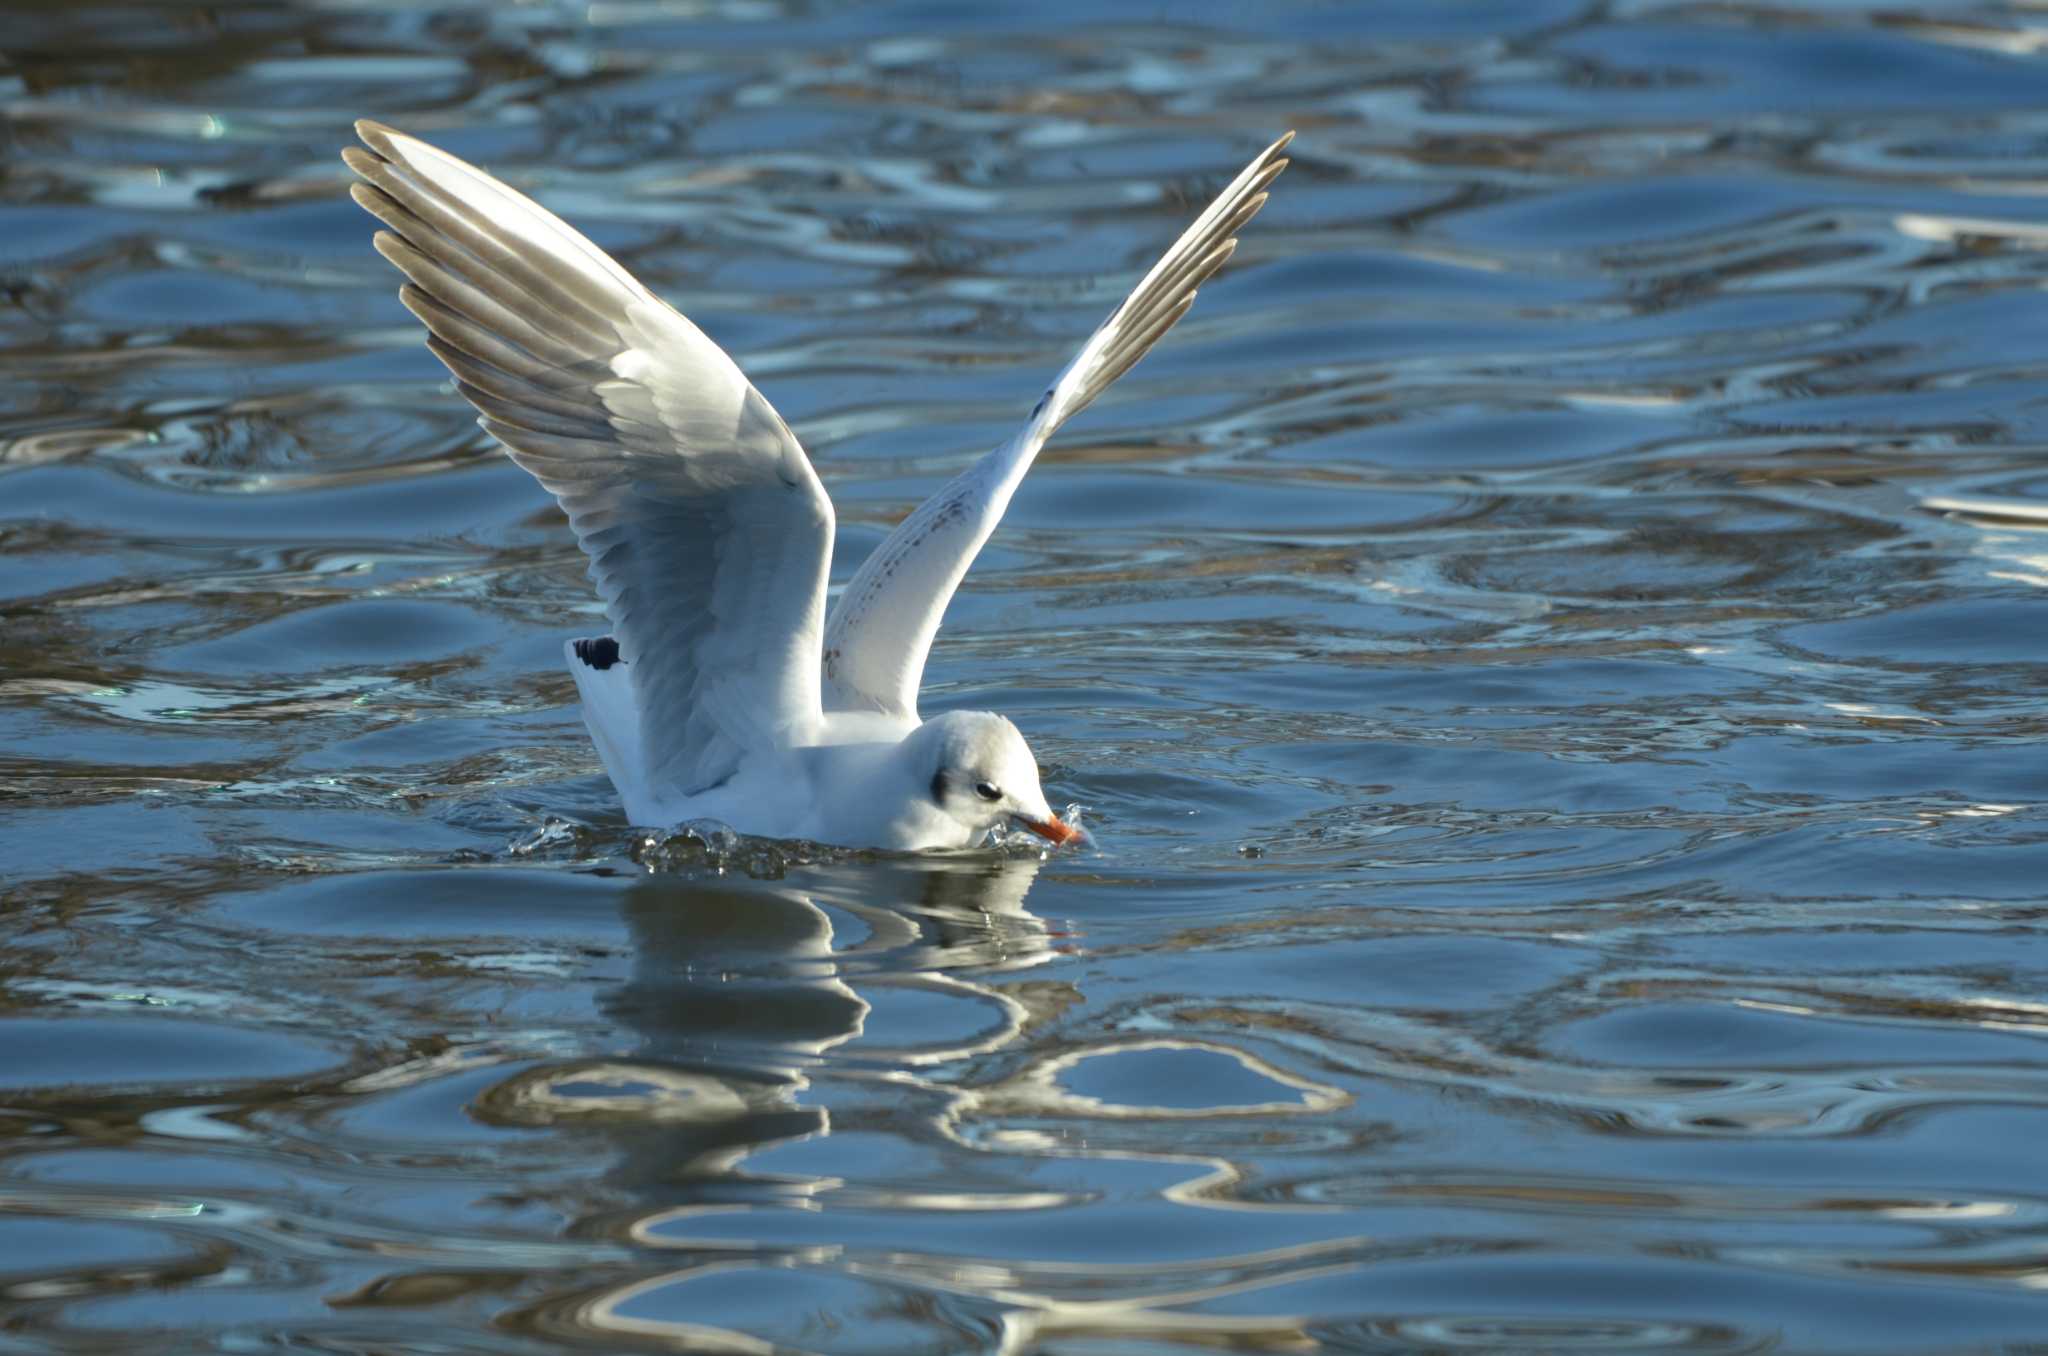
(597, 652)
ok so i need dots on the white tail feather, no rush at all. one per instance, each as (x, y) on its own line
(613, 718)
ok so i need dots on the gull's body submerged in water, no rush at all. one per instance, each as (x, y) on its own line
(724, 690)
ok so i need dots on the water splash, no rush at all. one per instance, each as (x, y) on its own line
(554, 838)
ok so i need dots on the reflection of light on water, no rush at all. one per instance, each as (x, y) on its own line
(1948, 230)
(164, 700)
(427, 1068)
(1024, 1301)
(1864, 711)
(1989, 506)
(2010, 532)
(2017, 41)
(97, 1205)
(1627, 400)
(2010, 1014)
(1920, 817)
(1035, 1089)
(641, 1092)
(1949, 1210)
(604, 1315)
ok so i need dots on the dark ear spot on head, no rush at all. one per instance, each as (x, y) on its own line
(939, 786)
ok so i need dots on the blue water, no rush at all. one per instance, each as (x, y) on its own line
(1571, 832)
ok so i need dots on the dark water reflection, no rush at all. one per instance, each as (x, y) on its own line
(1552, 651)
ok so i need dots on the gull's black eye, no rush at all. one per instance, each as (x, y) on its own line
(988, 791)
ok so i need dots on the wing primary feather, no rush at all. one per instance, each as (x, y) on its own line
(397, 201)
(487, 376)
(1200, 251)
(881, 629)
(1137, 333)
(491, 307)
(465, 184)
(460, 334)
(530, 418)
(1122, 360)
(419, 241)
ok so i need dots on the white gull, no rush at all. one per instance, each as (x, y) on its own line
(724, 690)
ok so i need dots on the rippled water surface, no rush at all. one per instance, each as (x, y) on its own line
(1552, 650)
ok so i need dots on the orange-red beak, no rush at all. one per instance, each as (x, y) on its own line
(1051, 830)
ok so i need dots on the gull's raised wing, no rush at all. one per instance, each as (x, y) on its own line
(708, 533)
(881, 629)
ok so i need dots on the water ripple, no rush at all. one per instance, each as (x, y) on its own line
(1549, 650)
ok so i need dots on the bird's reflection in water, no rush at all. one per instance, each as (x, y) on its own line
(742, 991)
(819, 1064)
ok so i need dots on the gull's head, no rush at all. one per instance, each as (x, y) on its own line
(982, 774)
